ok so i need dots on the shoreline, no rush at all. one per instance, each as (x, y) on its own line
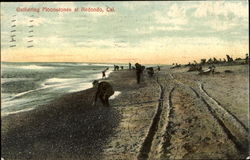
(87, 85)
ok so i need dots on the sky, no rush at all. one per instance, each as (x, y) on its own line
(162, 32)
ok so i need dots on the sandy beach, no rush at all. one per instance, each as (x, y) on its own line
(174, 115)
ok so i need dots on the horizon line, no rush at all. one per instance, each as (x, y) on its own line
(84, 62)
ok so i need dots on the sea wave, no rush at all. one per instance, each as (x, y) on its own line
(15, 112)
(15, 102)
(100, 64)
(47, 87)
(34, 67)
(83, 64)
(54, 81)
(81, 87)
(6, 80)
(72, 64)
(26, 92)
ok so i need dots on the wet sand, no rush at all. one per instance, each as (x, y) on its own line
(175, 115)
(69, 128)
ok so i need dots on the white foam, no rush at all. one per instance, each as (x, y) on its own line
(117, 93)
(83, 64)
(13, 102)
(5, 80)
(34, 67)
(6, 97)
(23, 93)
(14, 112)
(63, 82)
(101, 64)
(81, 87)
(108, 73)
(72, 85)
(53, 81)
(72, 64)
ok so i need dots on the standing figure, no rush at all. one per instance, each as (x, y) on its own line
(103, 91)
(138, 68)
(129, 66)
(158, 68)
(247, 59)
(103, 74)
(213, 69)
(229, 59)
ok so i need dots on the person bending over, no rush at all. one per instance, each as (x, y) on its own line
(103, 90)
(104, 73)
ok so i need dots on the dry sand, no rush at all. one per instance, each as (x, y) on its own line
(175, 115)
(209, 115)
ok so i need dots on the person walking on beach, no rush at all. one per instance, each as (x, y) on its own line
(103, 91)
(139, 70)
(129, 66)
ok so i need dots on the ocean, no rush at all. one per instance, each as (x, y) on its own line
(25, 86)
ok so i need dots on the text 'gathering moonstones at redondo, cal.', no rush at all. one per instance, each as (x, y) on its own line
(82, 9)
